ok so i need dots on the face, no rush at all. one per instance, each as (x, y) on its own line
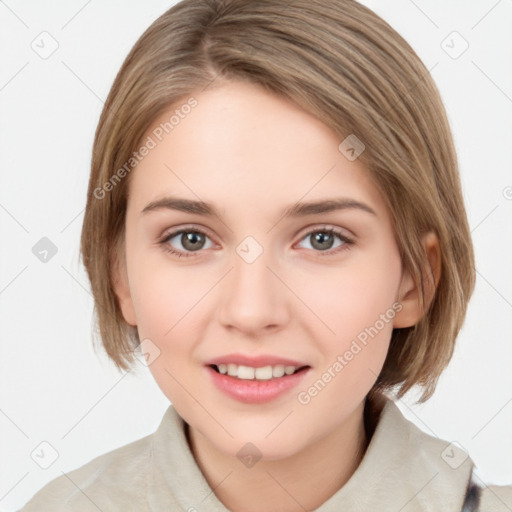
(240, 282)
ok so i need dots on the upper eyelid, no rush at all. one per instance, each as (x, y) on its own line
(172, 232)
(327, 227)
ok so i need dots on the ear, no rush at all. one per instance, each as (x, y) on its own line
(121, 287)
(409, 293)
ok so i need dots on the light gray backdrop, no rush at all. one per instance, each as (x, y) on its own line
(61, 403)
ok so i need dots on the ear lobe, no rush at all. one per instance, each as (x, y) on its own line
(409, 293)
(121, 287)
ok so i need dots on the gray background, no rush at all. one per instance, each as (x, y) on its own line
(55, 388)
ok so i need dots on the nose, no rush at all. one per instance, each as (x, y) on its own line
(253, 300)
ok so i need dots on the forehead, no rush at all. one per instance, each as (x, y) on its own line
(242, 144)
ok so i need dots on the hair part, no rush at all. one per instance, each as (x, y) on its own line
(342, 63)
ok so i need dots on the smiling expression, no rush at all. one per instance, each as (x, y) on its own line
(250, 235)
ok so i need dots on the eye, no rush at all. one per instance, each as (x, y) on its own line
(323, 240)
(190, 240)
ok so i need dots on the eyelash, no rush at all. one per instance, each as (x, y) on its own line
(347, 243)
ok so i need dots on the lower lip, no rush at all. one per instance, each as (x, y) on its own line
(256, 391)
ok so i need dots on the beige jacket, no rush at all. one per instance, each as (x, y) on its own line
(403, 469)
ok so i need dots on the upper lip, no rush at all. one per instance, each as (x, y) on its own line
(254, 361)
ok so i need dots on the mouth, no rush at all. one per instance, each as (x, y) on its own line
(256, 378)
(262, 373)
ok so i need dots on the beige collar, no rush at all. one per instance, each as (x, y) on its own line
(403, 470)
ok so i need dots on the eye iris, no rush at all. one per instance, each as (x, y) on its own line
(322, 240)
(189, 240)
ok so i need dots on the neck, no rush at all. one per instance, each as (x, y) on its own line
(300, 482)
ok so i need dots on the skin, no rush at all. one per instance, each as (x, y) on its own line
(251, 154)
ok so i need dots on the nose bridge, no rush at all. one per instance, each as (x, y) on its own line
(252, 297)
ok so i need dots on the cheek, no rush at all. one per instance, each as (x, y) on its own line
(164, 294)
(353, 297)
(169, 311)
(361, 316)
(355, 305)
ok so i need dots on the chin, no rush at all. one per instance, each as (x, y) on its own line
(277, 446)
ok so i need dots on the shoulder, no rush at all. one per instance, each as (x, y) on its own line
(113, 481)
(448, 470)
(487, 498)
(432, 473)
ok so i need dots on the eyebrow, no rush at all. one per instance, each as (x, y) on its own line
(295, 210)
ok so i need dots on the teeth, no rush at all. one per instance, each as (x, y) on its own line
(250, 373)
(278, 370)
(245, 372)
(264, 373)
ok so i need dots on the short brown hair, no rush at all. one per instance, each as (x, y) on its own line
(339, 61)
